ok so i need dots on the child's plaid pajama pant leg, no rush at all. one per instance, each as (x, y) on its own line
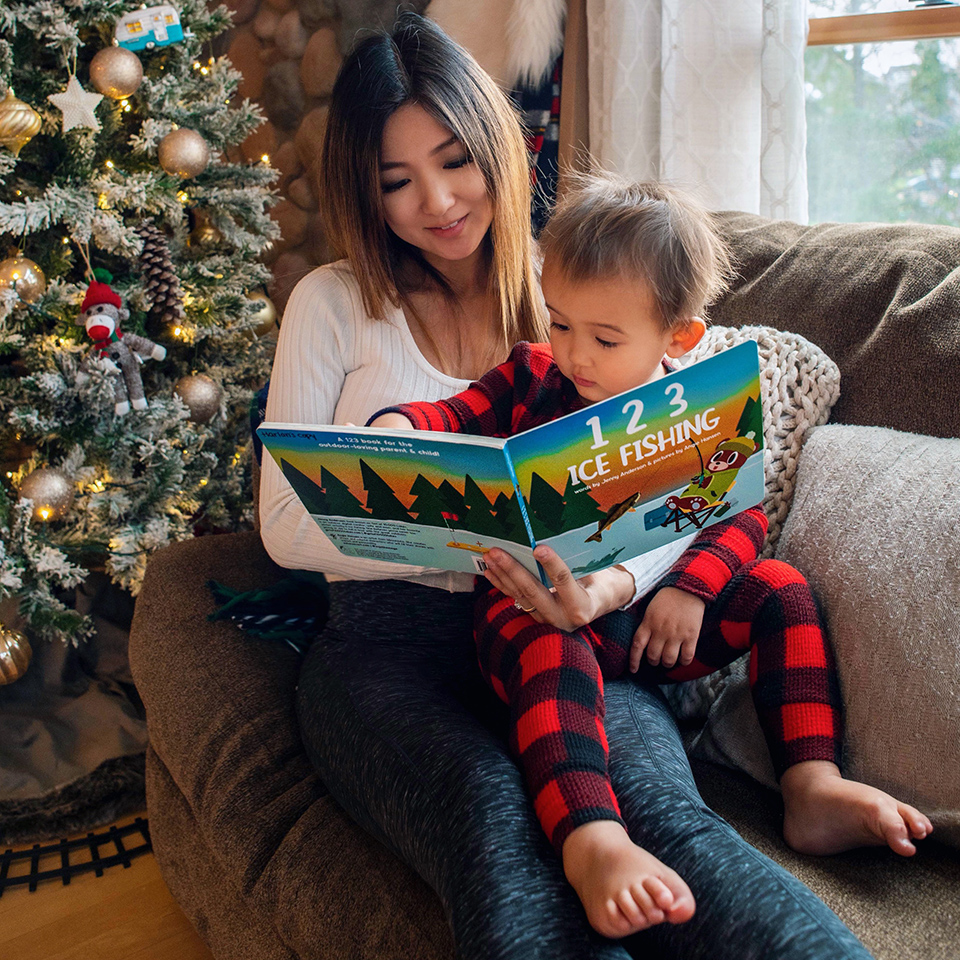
(553, 684)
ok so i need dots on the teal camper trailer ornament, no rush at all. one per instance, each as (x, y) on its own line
(149, 27)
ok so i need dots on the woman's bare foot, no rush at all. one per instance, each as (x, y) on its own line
(622, 887)
(824, 814)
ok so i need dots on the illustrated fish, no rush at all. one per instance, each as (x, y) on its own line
(613, 515)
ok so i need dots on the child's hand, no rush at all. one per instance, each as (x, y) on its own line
(395, 420)
(670, 629)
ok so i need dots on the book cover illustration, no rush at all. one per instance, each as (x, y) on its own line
(600, 485)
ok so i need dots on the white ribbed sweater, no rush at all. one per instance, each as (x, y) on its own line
(334, 364)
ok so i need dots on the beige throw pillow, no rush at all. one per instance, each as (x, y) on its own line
(874, 528)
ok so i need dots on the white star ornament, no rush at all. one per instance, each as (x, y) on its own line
(77, 106)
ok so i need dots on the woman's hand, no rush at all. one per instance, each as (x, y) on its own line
(669, 630)
(571, 603)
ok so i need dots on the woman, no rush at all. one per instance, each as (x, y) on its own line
(426, 194)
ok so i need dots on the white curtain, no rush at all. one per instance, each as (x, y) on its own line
(704, 93)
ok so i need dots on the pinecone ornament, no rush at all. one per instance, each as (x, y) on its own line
(163, 287)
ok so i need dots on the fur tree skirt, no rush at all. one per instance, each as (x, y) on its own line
(111, 791)
(72, 728)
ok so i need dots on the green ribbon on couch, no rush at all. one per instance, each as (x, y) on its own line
(292, 610)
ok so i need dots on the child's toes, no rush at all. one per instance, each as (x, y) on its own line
(659, 893)
(683, 909)
(647, 910)
(918, 825)
(678, 904)
(892, 828)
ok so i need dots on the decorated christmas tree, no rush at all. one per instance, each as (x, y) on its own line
(133, 323)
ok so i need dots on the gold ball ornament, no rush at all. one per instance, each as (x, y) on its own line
(116, 72)
(266, 315)
(183, 153)
(19, 123)
(15, 655)
(204, 233)
(24, 276)
(51, 491)
(201, 394)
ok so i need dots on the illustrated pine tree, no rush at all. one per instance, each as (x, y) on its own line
(751, 420)
(454, 506)
(507, 511)
(579, 508)
(454, 509)
(480, 518)
(313, 497)
(339, 500)
(114, 181)
(545, 508)
(382, 502)
(428, 506)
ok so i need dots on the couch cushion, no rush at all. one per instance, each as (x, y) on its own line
(874, 529)
(882, 300)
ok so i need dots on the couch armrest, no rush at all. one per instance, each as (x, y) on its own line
(221, 719)
(220, 704)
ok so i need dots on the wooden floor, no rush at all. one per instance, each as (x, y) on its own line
(126, 914)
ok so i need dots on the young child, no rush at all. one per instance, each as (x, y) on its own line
(628, 269)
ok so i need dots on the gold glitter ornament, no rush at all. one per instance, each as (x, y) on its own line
(266, 316)
(51, 491)
(183, 153)
(201, 394)
(19, 123)
(24, 276)
(116, 72)
(204, 233)
(15, 655)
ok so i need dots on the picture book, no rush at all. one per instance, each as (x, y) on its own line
(600, 485)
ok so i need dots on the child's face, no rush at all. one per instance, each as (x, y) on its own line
(434, 195)
(606, 334)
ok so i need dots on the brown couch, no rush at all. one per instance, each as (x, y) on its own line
(259, 856)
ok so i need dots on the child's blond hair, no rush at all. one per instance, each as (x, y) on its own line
(606, 226)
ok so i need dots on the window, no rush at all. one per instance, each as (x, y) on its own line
(883, 111)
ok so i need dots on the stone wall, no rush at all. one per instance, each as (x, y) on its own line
(288, 52)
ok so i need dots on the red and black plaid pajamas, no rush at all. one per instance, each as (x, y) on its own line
(553, 681)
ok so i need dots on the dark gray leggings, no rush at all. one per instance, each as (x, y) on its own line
(411, 742)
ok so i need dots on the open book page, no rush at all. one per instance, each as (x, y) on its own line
(409, 496)
(607, 483)
(650, 466)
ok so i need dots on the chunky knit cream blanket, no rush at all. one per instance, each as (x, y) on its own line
(799, 384)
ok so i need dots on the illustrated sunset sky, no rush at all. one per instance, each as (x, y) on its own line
(551, 449)
(485, 465)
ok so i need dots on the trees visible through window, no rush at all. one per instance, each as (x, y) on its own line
(883, 117)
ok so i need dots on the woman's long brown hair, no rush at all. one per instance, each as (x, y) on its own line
(418, 63)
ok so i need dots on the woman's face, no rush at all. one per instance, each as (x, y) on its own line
(434, 195)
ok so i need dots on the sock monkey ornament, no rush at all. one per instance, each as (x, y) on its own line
(120, 353)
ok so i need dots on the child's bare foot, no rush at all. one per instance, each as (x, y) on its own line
(623, 888)
(824, 814)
